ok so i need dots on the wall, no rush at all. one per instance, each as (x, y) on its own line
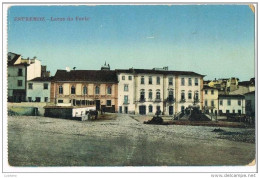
(146, 86)
(130, 93)
(209, 97)
(13, 78)
(188, 88)
(28, 105)
(34, 69)
(38, 91)
(234, 105)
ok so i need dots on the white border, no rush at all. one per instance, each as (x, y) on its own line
(7, 168)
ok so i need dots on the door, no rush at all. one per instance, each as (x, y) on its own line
(182, 109)
(126, 109)
(170, 110)
(142, 110)
(97, 105)
(120, 109)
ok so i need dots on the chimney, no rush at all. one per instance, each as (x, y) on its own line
(67, 69)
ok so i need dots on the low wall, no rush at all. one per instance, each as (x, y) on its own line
(25, 108)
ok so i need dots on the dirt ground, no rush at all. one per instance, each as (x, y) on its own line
(123, 141)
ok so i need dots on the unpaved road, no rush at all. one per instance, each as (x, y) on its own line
(41, 141)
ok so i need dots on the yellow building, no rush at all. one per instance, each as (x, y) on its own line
(86, 87)
(210, 99)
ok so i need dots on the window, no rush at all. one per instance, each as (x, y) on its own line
(150, 108)
(227, 111)
(20, 83)
(142, 95)
(228, 102)
(158, 108)
(158, 80)
(150, 80)
(109, 90)
(212, 92)
(129, 77)
(45, 86)
(126, 99)
(123, 77)
(170, 95)
(220, 112)
(158, 94)
(30, 86)
(20, 72)
(206, 103)
(45, 99)
(97, 90)
(206, 92)
(72, 91)
(196, 82)
(85, 90)
(108, 102)
(38, 99)
(190, 82)
(239, 112)
(182, 81)
(142, 80)
(221, 102)
(189, 95)
(212, 102)
(125, 87)
(234, 111)
(60, 101)
(196, 95)
(170, 81)
(30, 99)
(239, 102)
(182, 95)
(60, 89)
(150, 94)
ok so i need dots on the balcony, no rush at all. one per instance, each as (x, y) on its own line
(196, 100)
(125, 102)
(158, 100)
(170, 100)
(183, 100)
(141, 100)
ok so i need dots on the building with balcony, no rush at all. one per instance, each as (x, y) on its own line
(150, 90)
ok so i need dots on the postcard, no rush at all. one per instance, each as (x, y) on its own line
(152, 87)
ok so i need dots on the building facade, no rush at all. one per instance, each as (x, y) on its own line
(86, 88)
(231, 104)
(210, 100)
(148, 91)
(39, 89)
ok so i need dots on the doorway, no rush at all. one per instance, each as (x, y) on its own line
(170, 110)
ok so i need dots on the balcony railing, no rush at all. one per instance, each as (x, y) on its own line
(196, 101)
(170, 100)
(142, 100)
(157, 100)
(126, 102)
(183, 100)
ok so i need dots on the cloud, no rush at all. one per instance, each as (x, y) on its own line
(150, 37)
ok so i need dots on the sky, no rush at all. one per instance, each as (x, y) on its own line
(213, 40)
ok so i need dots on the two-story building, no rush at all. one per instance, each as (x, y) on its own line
(86, 87)
(231, 104)
(39, 89)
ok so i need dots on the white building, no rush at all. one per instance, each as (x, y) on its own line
(19, 72)
(231, 104)
(39, 89)
(149, 91)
